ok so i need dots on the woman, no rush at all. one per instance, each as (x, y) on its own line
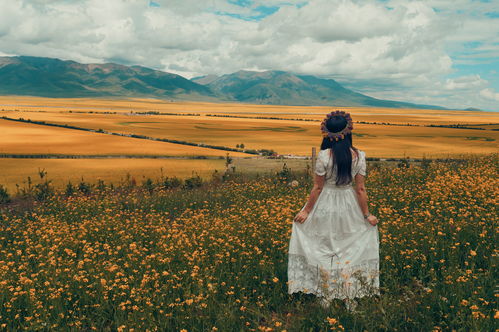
(334, 245)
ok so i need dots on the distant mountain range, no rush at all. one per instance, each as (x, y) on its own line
(50, 77)
(283, 88)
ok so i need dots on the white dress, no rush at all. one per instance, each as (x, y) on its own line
(335, 252)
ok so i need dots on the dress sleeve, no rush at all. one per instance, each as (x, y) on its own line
(362, 163)
(320, 166)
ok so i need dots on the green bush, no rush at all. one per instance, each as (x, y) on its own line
(148, 185)
(193, 182)
(404, 163)
(4, 195)
(43, 191)
(84, 188)
(70, 189)
(101, 186)
(170, 183)
(284, 174)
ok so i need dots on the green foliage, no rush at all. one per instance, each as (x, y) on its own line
(43, 190)
(101, 186)
(27, 189)
(171, 182)
(404, 163)
(267, 152)
(70, 189)
(216, 177)
(4, 195)
(426, 163)
(309, 173)
(84, 187)
(228, 160)
(193, 182)
(148, 185)
(129, 181)
(285, 174)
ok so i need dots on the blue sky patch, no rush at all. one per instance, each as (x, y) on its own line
(472, 44)
(266, 11)
(242, 3)
(258, 13)
(492, 14)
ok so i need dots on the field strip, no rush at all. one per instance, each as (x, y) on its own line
(256, 134)
(23, 138)
(201, 145)
(456, 126)
(100, 156)
(283, 158)
(471, 126)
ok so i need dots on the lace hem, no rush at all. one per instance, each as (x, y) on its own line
(348, 281)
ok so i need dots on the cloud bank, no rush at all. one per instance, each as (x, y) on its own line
(436, 52)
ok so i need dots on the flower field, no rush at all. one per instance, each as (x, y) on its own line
(215, 257)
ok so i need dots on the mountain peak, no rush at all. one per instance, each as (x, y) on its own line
(48, 77)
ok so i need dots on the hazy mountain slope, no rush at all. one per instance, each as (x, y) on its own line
(283, 88)
(57, 78)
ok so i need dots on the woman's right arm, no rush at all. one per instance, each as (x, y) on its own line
(360, 190)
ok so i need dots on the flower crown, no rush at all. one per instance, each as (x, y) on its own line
(340, 134)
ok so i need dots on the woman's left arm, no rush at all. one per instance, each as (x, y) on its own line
(314, 194)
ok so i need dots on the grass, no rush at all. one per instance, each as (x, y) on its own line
(15, 171)
(215, 258)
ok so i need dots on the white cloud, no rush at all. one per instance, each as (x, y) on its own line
(394, 48)
(490, 94)
(465, 83)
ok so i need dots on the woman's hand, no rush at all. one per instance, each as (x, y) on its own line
(372, 220)
(301, 216)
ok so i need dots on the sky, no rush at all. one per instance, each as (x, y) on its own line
(439, 52)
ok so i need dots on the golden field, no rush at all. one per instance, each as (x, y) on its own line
(283, 136)
(392, 115)
(27, 138)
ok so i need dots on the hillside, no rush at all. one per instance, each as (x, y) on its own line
(47, 77)
(283, 88)
(56, 78)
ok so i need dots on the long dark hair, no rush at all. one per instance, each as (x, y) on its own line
(342, 154)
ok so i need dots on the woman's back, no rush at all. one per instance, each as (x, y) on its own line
(324, 165)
